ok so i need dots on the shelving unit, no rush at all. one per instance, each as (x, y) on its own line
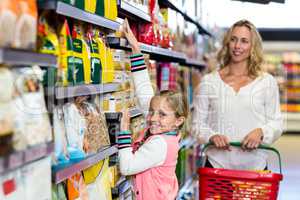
(187, 142)
(126, 9)
(194, 63)
(291, 122)
(186, 188)
(122, 186)
(21, 57)
(76, 13)
(155, 52)
(62, 174)
(169, 4)
(135, 112)
(20, 158)
(81, 90)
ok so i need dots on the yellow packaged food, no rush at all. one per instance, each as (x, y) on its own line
(47, 38)
(95, 56)
(82, 71)
(66, 65)
(90, 5)
(91, 173)
(110, 9)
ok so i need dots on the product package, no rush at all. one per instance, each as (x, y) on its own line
(110, 9)
(8, 20)
(95, 56)
(66, 66)
(37, 179)
(61, 157)
(75, 125)
(31, 122)
(95, 132)
(76, 188)
(26, 27)
(81, 53)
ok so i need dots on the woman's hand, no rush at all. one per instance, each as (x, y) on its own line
(252, 140)
(220, 141)
(131, 38)
(125, 120)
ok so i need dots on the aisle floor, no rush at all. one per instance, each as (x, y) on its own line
(289, 146)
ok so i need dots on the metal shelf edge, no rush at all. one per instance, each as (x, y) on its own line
(135, 112)
(73, 12)
(127, 7)
(23, 57)
(81, 90)
(67, 172)
(20, 158)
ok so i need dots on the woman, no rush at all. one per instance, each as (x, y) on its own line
(238, 102)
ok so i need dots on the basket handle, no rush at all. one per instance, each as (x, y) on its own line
(261, 146)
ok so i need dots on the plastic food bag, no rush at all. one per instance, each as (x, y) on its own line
(6, 94)
(8, 20)
(75, 125)
(26, 27)
(96, 132)
(60, 141)
(31, 122)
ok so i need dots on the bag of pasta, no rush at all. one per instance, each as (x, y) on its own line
(96, 131)
(31, 122)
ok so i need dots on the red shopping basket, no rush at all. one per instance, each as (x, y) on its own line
(225, 184)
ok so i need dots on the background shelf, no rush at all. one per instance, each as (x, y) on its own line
(126, 9)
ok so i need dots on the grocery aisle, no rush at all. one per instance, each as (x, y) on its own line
(288, 145)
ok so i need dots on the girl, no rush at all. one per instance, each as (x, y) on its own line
(152, 159)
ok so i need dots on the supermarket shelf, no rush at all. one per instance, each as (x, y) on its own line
(128, 10)
(76, 13)
(62, 174)
(195, 63)
(155, 52)
(187, 142)
(22, 57)
(186, 188)
(122, 186)
(21, 158)
(134, 112)
(167, 3)
(81, 90)
(291, 122)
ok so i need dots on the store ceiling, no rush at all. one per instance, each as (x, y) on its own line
(280, 34)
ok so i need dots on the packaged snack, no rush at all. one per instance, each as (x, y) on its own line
(110, 9)
(100, 8)
(82, 71)
(31, 122)
(37, 179)
(60, 140)
(95, 56)
(8, 19)
(58, 192)
(90, 5)
(66, 66)
(90, 174)
(75, 125)
(6, 97)
(76, 188)
(47, 38)
(106, 59)
(95, 133)
(12, 187)
(26, 27)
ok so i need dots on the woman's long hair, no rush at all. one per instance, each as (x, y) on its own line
(256, 56)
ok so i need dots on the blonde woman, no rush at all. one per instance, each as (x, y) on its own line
(238, 103)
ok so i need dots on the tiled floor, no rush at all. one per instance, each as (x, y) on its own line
(289, 146)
